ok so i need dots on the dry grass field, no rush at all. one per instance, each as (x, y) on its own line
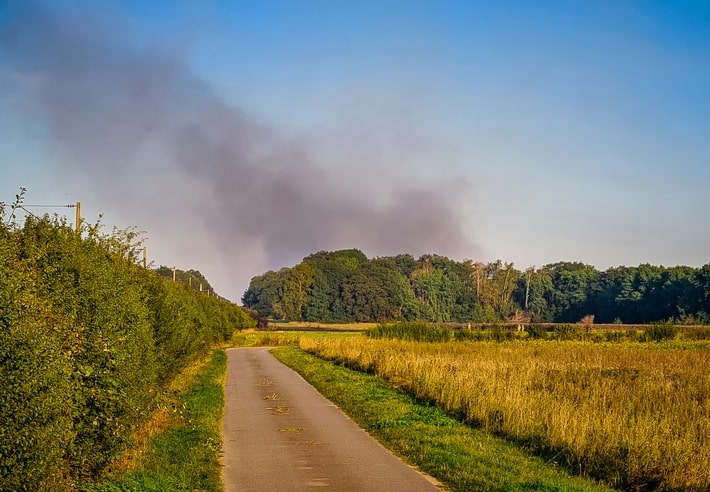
(314, 326)
(633, 415)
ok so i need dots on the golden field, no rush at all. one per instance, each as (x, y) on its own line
(634, 416)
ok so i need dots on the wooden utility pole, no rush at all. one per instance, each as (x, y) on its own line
(78, 217)
(145, 257)
(173, 274)
(77, 206)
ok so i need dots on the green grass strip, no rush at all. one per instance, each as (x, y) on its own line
(460, 457)
(184, 457)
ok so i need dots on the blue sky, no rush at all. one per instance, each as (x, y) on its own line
(243, 136)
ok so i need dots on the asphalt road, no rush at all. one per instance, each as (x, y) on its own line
(280, 434)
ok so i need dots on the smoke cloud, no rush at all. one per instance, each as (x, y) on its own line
(216, 189)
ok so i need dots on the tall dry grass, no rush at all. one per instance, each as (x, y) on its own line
(634, 416)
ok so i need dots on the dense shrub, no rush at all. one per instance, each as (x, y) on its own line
(566, 331)
(184, 324)
(501, 334)
(536, 332)
(87, 340)
(36, 387)
(659, 332)
(696, 333)
(466, 334)
(174, 315)
(413, 331)
(613, 336)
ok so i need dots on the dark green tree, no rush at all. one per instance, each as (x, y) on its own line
(331, 271)
(569, 300)
(437, 286)
(698, 299)
(378, 291)
(538, 286)
(263, 293)
(295, 285)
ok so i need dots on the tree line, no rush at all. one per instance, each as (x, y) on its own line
(192, 278)
(346, 286)
(89, 340)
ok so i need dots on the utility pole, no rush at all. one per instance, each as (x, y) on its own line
(78, 217)
(145, 257)
(173, 274)
(77, 206)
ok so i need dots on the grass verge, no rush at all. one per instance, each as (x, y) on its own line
(462, 458)
(185, 456)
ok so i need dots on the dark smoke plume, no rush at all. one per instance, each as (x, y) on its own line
(216, 188)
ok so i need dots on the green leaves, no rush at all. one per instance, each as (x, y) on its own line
(35, 384)
(345, 286)
(88, 338)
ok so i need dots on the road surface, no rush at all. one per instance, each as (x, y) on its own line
(280, 434)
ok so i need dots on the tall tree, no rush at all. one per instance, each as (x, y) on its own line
(533, 293)
(263, 293)
(437, 286)
(293, 291)
(495, 284)
(378, 291)
(701, 293)
(331, 270)
(473, 275)
(572, 282)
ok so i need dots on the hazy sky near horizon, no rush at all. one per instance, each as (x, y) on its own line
(243, 136)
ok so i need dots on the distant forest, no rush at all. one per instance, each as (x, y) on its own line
(346, 286)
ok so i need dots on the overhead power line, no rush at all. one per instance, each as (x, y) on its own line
(76, 205)
(52, 206)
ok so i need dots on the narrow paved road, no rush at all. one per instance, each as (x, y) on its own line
(280, 434)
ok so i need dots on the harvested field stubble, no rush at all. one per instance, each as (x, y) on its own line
(633, 415)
